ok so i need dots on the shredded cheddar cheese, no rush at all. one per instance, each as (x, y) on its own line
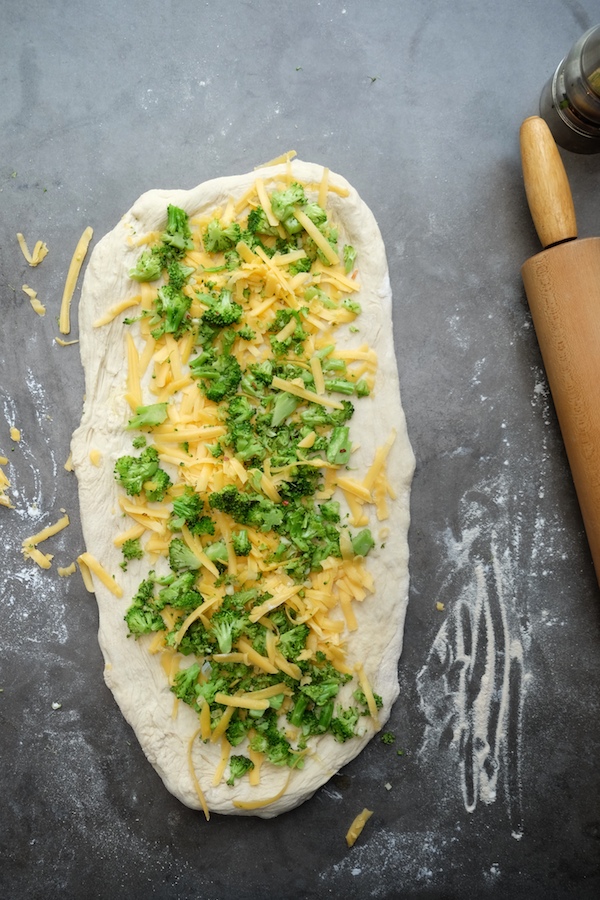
(64, 320)
(357, 826)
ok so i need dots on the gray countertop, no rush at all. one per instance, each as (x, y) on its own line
(419, 106)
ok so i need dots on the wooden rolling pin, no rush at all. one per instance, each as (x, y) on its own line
(563, 289)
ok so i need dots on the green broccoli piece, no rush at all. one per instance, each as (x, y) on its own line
(339, 445)
(246, 333)
(157, 486)
(185, 683)
(362, 542)
(349, 258)
(361, 388)
(285, 404)
(177, 233)
(239, 410)
(388, 737)
(241, 543)
(178, 274)
(343, 726)
(238, 766)
(148, 416)
(292, 642)
(133, 473)
(222, 310)
(131, 549)
(142, 617)
(181, 557)
(218, 238)
(221, 374)
(259, 224)
(217, 552)
(171, 307)
(339, 386)
(315, 415)
(316, 214)
(237, 730)
(180, 593)
(147, 268)
(283, 203)
(352, 305)
(139, 442)
(301, 265)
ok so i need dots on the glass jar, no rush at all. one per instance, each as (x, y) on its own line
(570, 101)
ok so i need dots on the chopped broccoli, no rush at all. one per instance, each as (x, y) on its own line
(339, 445)
(218, 238)
(352, 306)
(259, 224)
(180, 593)
(237, 730)
(362, 388)
(148, 416)
(246, 333)
(185, 683)
(388, 737)
(217, 552)
(363, 542)
(339, 386)
(241, 543)
(220, 374)
(171, 307)
(285, 404)
(134, 473)
(177, 233)
(316, 415)
(131, 549)
(293, 641)
(343, 726)
(178, 274)
(222, 310)
(147, 268)
(139, 442)
(227, 625)
(316, 214)
(283, 203)
(238, 766)
(142, 617)
(157, 486)
(349, 258)
(181, 557)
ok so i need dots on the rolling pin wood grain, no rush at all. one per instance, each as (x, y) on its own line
(562, 284)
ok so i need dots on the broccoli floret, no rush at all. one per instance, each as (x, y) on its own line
(142, 617)
(363, 542)
(180, 593)
(339, 445)
(246, 333)
(263, 372)
(178, 274)
(227, 625)
(148, 416)
(339, 386)
(139, 442)
(301, 265)
(316, 415)
(285, 404)
(147, 268)
(316, 214)
(177, 233)
(157, 486)
(181, 557)
(344, 724)
(134, 472)
(349, 258)
(239, 410)
(222, 311)
(283, 203)
(219, 238)
(233, 502)
(238, 766)
(292, 642)
(185, 683)
(246, 445)
(237, 730)
(259, 224)
(352, 306)
(362, 388)
(217, 552)
(388, 737)
(221, 374)
(131, 549)
(186, 508)
(241, 543)
(171, 306)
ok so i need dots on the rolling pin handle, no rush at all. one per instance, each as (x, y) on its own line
(546, 184)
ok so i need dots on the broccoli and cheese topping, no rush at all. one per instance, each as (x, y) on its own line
(241, 422)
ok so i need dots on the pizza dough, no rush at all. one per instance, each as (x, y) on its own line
(136, 677)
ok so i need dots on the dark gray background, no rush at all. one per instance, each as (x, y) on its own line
(418, 104)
